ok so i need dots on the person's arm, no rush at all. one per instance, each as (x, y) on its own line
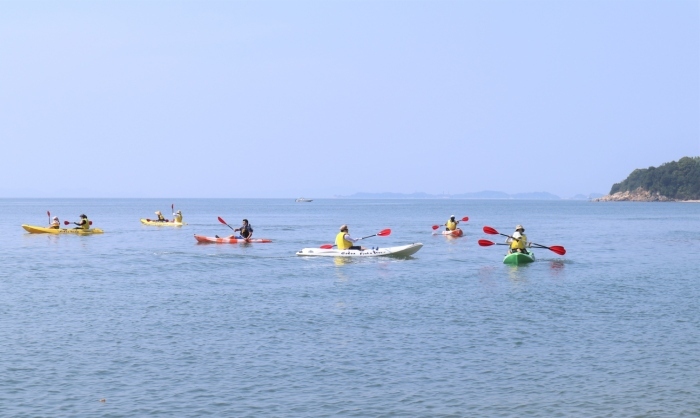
(351, 239)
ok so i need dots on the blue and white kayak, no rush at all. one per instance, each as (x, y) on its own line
(400, 251)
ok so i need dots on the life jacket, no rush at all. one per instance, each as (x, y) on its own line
(178, 218)
(246, 231)
(85, 224)
(519, 245)
(55, 225)
(341, 242)
(161, 218)
(451, 225)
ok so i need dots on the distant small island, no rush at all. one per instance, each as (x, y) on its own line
(677, 181)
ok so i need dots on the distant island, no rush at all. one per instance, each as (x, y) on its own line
(487, 194)
(676, 181)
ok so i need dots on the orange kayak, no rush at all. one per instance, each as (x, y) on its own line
(215, 240)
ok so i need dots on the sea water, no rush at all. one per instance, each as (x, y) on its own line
(144, 321)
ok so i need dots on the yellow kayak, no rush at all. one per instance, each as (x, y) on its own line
(165, 223)
(42, 230)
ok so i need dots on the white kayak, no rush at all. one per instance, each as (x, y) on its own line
(400, 251)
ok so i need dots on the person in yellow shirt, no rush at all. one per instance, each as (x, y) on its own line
(518, 241)
(177, 216)
(344, 241)
(451, 224)
(84, 222)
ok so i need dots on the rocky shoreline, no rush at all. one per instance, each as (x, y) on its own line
(639, 195)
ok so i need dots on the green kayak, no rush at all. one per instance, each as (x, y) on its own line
(519, 258)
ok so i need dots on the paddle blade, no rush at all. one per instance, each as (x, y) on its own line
(172, 207)
(48, 213)
(558, 249)
(66, 223)
(489, 230)
(222, 221)
(435, 227)
(465, 219)
(384, 232)
(485, 243)
(327, 246)
(90, 222)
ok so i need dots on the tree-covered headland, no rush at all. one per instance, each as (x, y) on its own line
(677, 180)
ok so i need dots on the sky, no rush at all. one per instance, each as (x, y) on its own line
(322, 98)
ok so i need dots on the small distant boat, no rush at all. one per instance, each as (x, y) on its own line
(303, 199)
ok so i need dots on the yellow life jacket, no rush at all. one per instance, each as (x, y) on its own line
(341, 242)
(55, 225)
(519, 245)
(86, 224)
(178, 218)
(451, 225)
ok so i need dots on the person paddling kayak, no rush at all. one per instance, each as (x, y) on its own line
(345, 242)
(161, 218)
(246, 231)
(55, 223)
(84, 222)
(451, 224)
(518, 241)
(177, 216)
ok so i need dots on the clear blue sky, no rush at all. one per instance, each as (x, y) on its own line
(301, 98)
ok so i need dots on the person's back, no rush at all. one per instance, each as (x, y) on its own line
(177, 216)
(55, 224)
(451, 224)
(518, 242)
(161, 218)
(341, 242)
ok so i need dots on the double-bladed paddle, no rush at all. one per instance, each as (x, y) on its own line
(554, 248)
(465, 219)
(224, 222)
(382, 233)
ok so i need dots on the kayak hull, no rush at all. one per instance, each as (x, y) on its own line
(519, 258)
(32, 229)
(400, 251)
(214, 240)
(456, 233)
(166, 223)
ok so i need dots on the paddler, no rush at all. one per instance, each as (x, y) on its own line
(55, 224)
(451, 224)
(345, 242)
(161, 218)
(518, 241)
(177, 216)
(84, 222)
(246, 231)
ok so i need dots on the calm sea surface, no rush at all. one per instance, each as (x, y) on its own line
(156, 324)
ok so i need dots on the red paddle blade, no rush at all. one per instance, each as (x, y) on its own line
(558, 249)
(221, 220)
(465, 219)
(435, 227)
(48, 213)
(490, 230)
(327, 246)
(384, 232)
(90, 222)
(66, 223)
(485, 243)
(172, 207)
